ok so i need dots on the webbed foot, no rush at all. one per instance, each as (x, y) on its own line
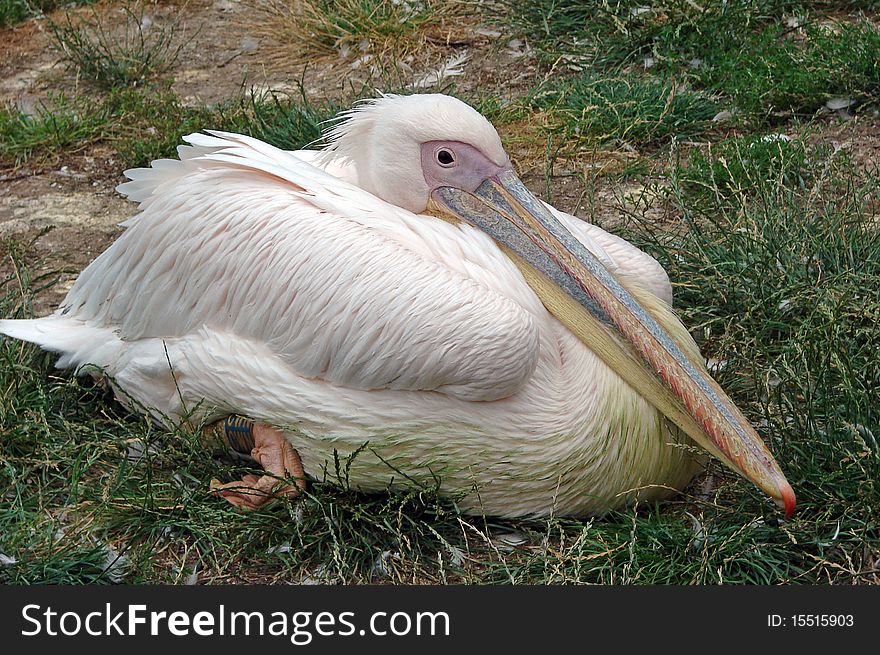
(269, 448)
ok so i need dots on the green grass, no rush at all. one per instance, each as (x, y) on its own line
(147, 124)
(615, 32)
(781, 280)
(288, 121)
(151, 125)
(745, 52)
(672, 32)
(15, 11)
(603, 109)
(772, 73)
(57, 124)
(733, 167)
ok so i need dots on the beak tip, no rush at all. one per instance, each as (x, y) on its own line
(787, 499)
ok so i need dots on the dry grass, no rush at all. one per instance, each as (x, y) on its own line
(385, 38)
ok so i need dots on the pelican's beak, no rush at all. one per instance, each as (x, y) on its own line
(635, 333)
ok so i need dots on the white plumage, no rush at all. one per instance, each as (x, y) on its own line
(271, 284)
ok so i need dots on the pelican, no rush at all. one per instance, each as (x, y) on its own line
(399, 303)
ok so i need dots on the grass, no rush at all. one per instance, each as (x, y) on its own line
(604, 109)
(155, 123)
(15, 11)
(783, 284)
(117, 53)
(735, 167)
(143, 125)
(614, 32)
(288, 121)
(745, 52)
(363, 33)
(772, 244)
(773, 74)
(57, 124)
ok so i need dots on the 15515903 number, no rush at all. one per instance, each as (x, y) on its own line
(822, 620)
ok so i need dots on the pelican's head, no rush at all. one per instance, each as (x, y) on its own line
(405, 147)
(435, 153)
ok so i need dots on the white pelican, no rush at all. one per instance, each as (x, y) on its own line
(401, 302)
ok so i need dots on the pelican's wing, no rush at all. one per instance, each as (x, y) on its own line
(249, 240)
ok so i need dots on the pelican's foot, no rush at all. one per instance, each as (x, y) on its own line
(271, 450)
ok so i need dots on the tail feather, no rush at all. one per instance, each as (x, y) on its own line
(78, 343)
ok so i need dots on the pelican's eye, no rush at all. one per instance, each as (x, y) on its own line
(445, 157)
